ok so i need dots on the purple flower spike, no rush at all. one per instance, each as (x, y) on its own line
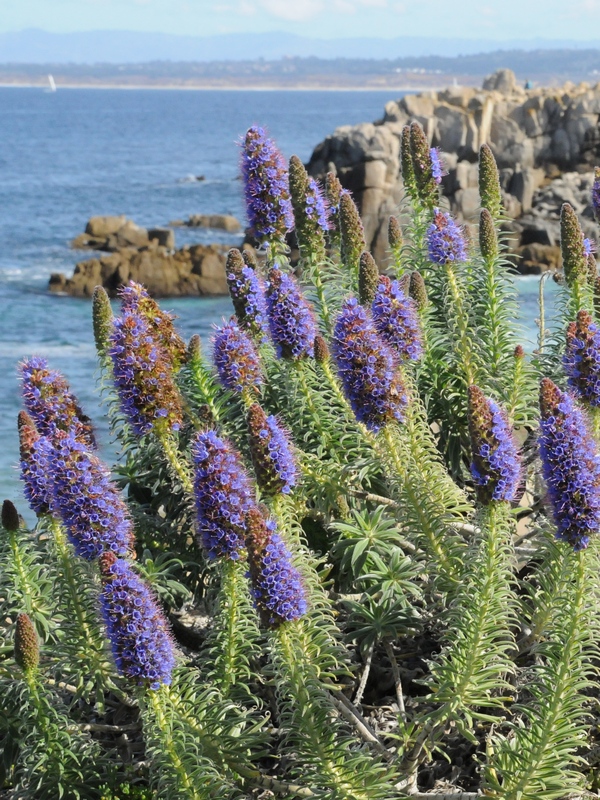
(248, 297)
(87, 501)
(396, 319)
(35, 472)
(266, 189)
(596, 193)
(271, 451)
(136, 627)
(51, 404)
(236, 359)
(445, 239)
(136, 300)
(291, 320)
(582, 358)
(367, 369)
(495, 464)
(570, 465)
(437, 170)
(317, 207)
(276, 584)
(223, 496)
(143, 376)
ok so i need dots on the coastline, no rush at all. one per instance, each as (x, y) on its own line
(228, 88)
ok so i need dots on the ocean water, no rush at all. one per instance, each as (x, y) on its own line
(70, 155)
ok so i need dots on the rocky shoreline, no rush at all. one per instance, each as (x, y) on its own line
(148, 256)
(545, 140)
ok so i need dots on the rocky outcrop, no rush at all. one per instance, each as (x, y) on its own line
(196, 270)
(115, 232)
(535, 134)
(219, 222)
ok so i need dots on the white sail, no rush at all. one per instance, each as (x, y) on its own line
(52, 86)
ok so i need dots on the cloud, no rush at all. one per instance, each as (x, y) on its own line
(293, 10)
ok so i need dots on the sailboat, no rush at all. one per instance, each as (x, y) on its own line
(51, 84)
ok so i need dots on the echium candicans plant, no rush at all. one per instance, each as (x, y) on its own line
(495, 465)
(236, 359)
(271, 451)
(51, 404)
(266, 189)
(571, 466)
(143, 375)
(223, 495)
(247, 295)
(582, 358)
(367, 369)
(291, 320)
(311, 212)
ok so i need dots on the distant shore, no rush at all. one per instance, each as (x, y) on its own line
(240, 88)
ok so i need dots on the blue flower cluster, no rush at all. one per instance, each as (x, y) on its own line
(34, 465)
(367, 369)
(437, 170)
(52, 405)
(236, 359)
(143, 376)
(266, 189)
(445, 240)
(570, 465)
(495, 464)
(223, 495)
(89, 504)
(136, 627)
(271, 451)
(136, 300)
(396, 319)
(317, 208)
(596, 193)
(277, 586)
(291, 320)
(248, 297)
(582, 358)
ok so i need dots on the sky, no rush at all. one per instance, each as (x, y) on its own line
(470, 19)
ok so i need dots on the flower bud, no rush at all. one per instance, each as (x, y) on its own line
(489, 182)
(352, 233)
(321, 350)
(488, 238)
(368, 279)
(27, 645)
(427, 187)
(102, 317)
(406, 164)
(10, 516)
(310, 211)
(572, 246)
(596, 194)
(418, 290)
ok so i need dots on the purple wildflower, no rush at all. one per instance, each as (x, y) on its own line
(570, 465)
(396, 319)
(266, 188)
(87, 501)
(271, 451)
(136, 627)
(316, 205)
(143, 376)
(582, 358)
(223, 496)
(367, 369)
(495, 465)
(51, 403)
(276, 584)
(437, 170)
(236, 359)
(589, 246)
(445, 239)
(136, 300)
(596, 193)
(291, 320)
(35, 473)
(248, 297)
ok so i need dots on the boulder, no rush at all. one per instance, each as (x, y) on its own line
(164, 237)
(102, 227)
(197, 270)
(544, 140)
(223, 222)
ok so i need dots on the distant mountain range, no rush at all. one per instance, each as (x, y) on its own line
(34, 46)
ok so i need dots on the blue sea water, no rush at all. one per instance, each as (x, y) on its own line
(67, 156)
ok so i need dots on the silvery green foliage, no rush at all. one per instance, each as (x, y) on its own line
(409, 612)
